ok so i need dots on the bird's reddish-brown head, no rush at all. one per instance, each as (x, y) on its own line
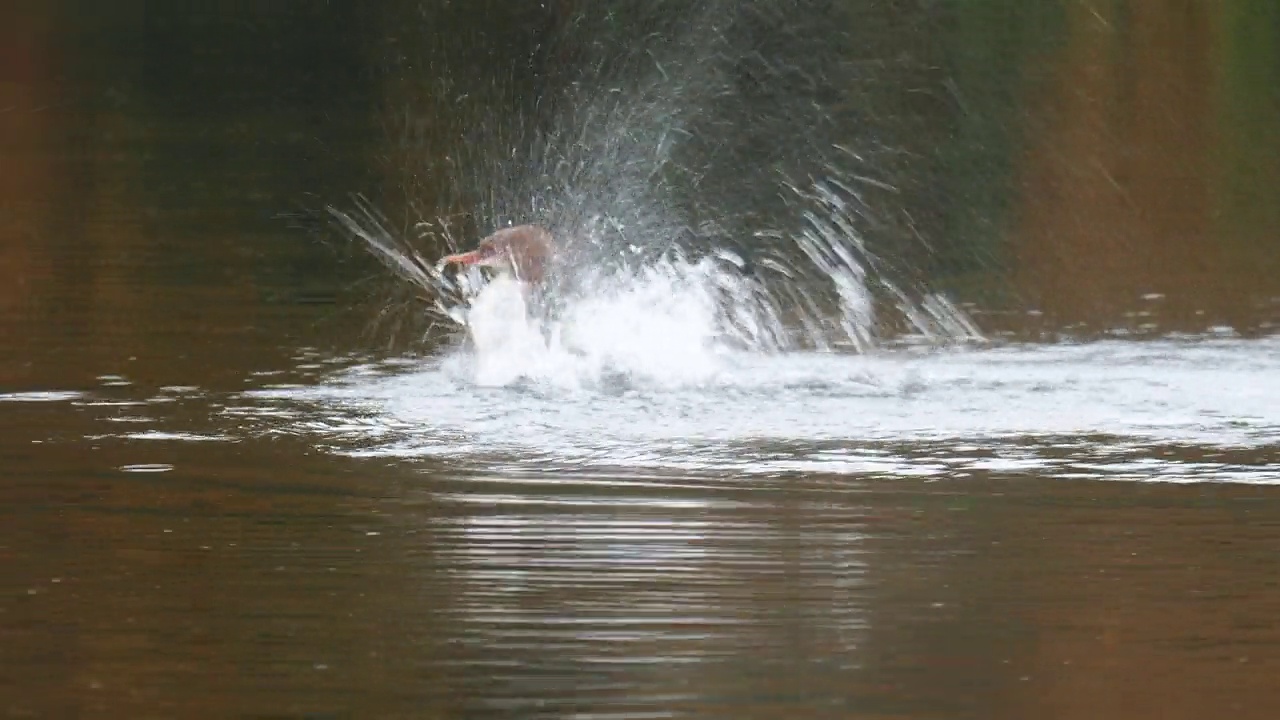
(524, 250)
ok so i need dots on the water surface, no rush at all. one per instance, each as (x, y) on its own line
(234, 484)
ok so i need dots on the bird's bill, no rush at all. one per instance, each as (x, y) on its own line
(475, 257)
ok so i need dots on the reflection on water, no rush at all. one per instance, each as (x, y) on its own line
(230, 585)
(216, 500)
(197, 553)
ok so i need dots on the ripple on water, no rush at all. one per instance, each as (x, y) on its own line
(1174, 410)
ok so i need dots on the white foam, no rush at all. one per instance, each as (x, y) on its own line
(1108, 409)
(662, 326)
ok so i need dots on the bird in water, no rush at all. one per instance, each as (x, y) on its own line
(524, 251)
(499, 320)
(522, 254)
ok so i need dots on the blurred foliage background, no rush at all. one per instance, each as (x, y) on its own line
(1077, 165)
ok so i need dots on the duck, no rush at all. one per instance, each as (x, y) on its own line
(523, 251)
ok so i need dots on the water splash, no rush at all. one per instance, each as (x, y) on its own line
(673, 320)
(670, 266)
(669, 323)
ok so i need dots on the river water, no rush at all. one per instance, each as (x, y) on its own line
(227, 521)
(223, 493)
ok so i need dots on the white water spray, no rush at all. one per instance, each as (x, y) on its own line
(656, 288)
(670, 321)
